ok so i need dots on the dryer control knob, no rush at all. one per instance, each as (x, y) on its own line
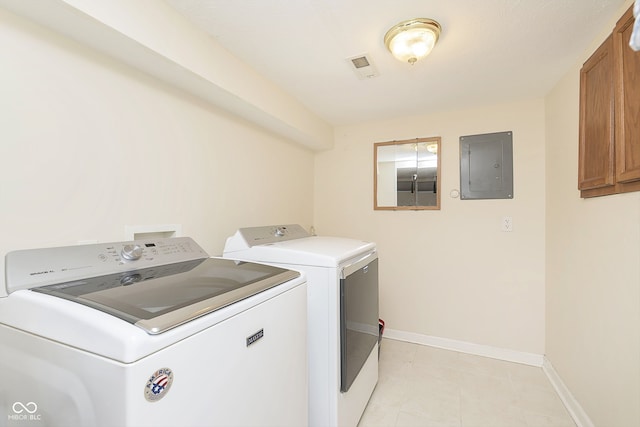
(131, 252)
(280, 231)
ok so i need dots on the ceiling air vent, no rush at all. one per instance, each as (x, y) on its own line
(363, 67)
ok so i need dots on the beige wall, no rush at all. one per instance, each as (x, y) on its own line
(89, 146)
(449, 273)
(593, 274)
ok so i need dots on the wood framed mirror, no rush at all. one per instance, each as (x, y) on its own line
(406, 174)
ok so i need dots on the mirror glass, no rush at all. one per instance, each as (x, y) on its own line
(407, 174)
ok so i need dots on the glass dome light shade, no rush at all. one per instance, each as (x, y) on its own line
(412, 40)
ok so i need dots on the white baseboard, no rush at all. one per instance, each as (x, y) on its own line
(578, 414)
(467, 347)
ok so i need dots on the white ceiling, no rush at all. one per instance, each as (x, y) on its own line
(489, 50)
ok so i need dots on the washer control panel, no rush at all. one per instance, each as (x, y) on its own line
(39, 267)
(252, 236)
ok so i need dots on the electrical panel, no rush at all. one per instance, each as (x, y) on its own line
(486, 166)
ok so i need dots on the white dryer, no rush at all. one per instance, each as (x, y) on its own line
(342, 287)
(150, 333)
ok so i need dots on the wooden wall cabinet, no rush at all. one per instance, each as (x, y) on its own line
(609, 150)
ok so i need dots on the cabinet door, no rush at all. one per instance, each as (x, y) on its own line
(596, 165)
(627, 90)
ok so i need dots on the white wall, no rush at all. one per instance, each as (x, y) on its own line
(89, 146)
(449, 273)
(593, 274)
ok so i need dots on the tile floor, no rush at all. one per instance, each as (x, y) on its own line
(427, 387)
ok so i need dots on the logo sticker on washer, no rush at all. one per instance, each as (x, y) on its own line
(158, 384)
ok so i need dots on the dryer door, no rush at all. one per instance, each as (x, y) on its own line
(358, 316)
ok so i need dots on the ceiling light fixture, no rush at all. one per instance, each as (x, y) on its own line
(413, 39)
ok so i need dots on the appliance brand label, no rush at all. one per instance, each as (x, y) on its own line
(255, 337)
(38, 273)
(158, 384)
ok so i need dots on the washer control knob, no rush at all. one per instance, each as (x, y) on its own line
(131, 252)
(280, 231)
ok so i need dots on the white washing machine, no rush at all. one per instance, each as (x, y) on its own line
(150, 333)
(342, 286)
